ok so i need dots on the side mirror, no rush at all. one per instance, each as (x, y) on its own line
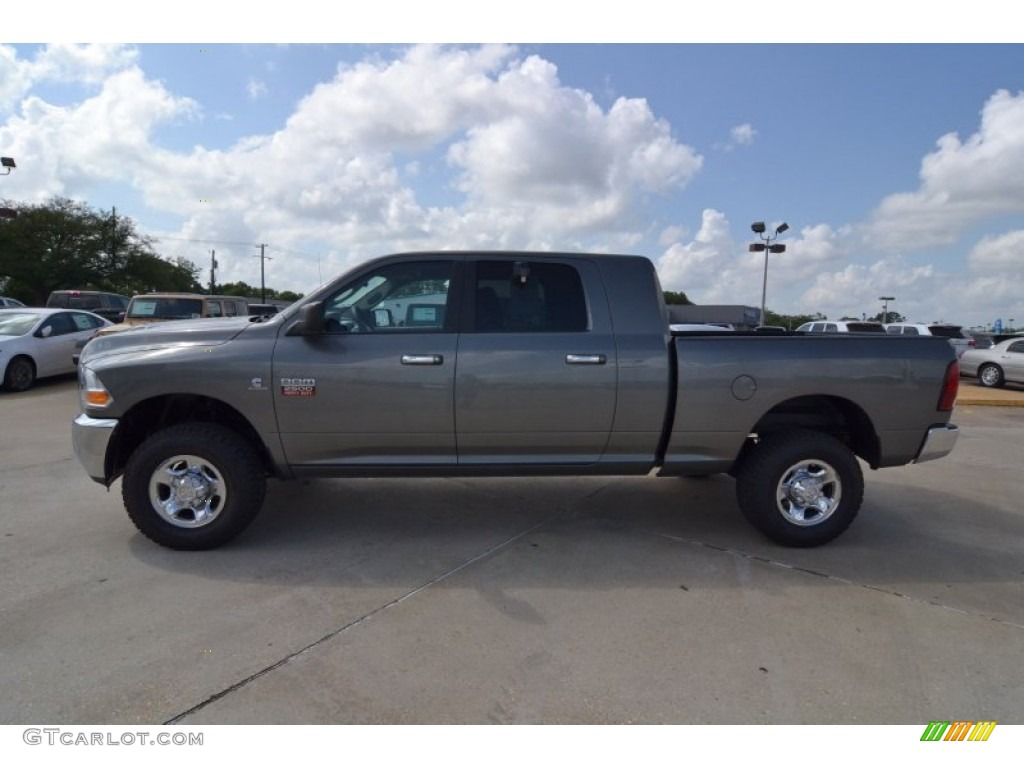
(311, 320)
(382, 318)
(46, 331)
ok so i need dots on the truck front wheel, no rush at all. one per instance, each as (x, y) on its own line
(800, 488)
(193, 486)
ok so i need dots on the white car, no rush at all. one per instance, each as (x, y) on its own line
(42, 342)
(954, 334)
(996, 365)
(841, 326)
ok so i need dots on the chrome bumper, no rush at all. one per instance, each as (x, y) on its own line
(938, 442)
(90, 437)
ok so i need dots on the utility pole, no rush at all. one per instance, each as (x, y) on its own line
(113, 235)
(263, 260)
(213, 271)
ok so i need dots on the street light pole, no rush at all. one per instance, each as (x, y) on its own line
(885, 307)
(759, 229)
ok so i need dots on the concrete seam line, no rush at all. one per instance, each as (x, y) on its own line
(811, 572)
(356, 622)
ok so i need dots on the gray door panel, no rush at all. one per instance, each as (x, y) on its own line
(366, 405)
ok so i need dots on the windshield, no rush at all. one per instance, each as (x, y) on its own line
(147, 308)
(17, 323)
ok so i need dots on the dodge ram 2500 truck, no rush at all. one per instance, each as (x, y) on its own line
(458, 363)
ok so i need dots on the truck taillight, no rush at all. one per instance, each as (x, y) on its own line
(949, 388)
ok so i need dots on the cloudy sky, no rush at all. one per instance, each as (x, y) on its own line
(899, 168)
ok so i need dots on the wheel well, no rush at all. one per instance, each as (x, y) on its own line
(14, 359)
(23, 356)
(150, 416)
(842, 419)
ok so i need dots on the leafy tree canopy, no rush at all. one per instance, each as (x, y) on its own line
(676, 297)
(65, 244)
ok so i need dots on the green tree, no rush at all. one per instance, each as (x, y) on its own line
(238, 289)
(64, 244)
(790, 321)
(894, 317)
(676, 297)
(48, 246)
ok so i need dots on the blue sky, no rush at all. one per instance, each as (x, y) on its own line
(899, 167)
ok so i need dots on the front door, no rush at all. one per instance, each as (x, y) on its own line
(376, 389)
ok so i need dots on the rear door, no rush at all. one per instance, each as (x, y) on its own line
(536, 378)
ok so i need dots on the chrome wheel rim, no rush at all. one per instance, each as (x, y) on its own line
(809, 492)
(990, 376)
(188, 491)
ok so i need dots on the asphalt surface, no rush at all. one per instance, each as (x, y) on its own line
(512, 601)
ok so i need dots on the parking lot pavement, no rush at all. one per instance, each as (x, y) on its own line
(515, 600)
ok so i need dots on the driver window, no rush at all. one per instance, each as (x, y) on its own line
(412, 296)
(60, 324)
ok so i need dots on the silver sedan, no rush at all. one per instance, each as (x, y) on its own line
(42, 342)
(997, 365)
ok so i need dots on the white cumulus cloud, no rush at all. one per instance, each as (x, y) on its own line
(963, 182)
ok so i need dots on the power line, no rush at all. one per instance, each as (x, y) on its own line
(206, 242)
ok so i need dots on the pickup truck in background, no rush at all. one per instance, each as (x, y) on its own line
(504, 363)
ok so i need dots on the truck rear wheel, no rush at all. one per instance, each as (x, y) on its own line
(193, 486)
(800, 488)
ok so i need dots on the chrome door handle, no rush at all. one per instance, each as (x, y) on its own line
(585, 359)
(422, 359)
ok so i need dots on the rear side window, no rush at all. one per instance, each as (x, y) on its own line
(909, 330)
(946, 331)
(84, 302)
(82, 322)
(529, 297)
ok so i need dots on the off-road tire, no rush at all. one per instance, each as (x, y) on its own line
(213, 459)
(800, 488)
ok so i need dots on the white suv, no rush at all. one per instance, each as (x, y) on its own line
(954, 334)
(840, 326)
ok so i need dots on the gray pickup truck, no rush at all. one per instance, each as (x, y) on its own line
(457, 363)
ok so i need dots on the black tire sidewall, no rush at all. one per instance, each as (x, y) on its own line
(12, 366)
(237, 462)
(761, 472)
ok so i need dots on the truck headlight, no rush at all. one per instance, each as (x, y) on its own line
(91, 390)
